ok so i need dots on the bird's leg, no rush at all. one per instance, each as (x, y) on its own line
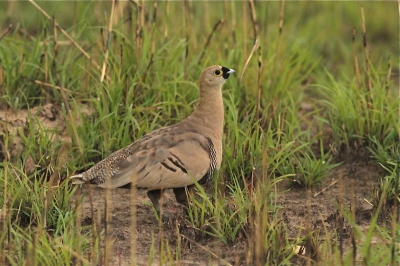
(181, 197)
(154, 196)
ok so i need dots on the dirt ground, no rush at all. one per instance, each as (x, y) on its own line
(352, 181)
(360, 174)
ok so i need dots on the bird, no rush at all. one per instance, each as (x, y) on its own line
(172, 157)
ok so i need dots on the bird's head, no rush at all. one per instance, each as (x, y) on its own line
(215, 76)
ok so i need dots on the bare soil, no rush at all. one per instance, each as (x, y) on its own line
(355, 179)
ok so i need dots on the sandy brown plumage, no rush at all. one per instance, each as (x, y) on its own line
(171, 157)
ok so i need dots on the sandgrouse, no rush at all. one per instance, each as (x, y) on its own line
(171, 157)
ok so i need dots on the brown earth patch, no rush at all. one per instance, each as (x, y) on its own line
(355, 181)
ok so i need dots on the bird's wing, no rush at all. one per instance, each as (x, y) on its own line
(168, 159)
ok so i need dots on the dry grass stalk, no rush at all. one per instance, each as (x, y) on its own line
(167, 16)
(152, 49)
(259, 83)
(187, 29)
(255, 47)
(133, 225)
(395, 223)
(233, 22)
(103, 43)
(93, 253)
(46, 68)
(3, 86)
(52, 86)
(78, 227)
(108, 228)
(119, 11)
(55, 47)
(389, 72)
(4, 217)
(253, 16)
(10, 8)
(281, 17)
(23, 33)
(308, 229)
(208, 40)
(6, 31)
(281, 20)
(138, 31)
(110, 25)
(353, 216)
(244, 30)
(22, 63)
(325, 189)
(278, 45)
(397, 205)
(60, 43)
(108, 202)
(340, 218)
(355, 60)
(367, 67)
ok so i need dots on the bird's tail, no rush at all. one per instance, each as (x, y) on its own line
(77, 179)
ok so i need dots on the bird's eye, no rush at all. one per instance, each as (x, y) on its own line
(218, 72)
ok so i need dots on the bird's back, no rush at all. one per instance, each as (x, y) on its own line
(169, 157)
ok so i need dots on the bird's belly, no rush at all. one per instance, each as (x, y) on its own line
(153, 182)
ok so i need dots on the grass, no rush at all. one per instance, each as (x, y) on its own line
(346, 70)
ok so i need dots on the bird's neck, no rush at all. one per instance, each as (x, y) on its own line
(210, 113)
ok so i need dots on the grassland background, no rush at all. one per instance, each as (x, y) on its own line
(305, 102)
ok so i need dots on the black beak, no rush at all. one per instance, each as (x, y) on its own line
(226, 72)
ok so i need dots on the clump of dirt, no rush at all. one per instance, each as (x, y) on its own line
(31, 123)
(15, 123)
